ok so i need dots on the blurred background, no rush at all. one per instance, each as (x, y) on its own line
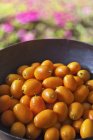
(36, 19)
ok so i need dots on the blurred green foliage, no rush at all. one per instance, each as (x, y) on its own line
(32, 19)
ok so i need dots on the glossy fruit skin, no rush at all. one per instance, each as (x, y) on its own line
(35, 64)
(89, 83)
(74, 67)
(84, 74)
(13, 102)
(57, 65)
(4, 89)
(8, 118)
(76, 110)
(81, 93)
(51, 134)
(21, 69)
(42, 72)
(90, 115)
(79, 81)
(32, 132)
(67, 132)
(32, 87)
(23, 113)
(90, 97)
(77, 124)
(16, 89)
(45, 119)
(11, 77)
(70, 82)
(61, 109)
(61, 71)
(28, 73)
(25, 100)
(52, 99)
(64, 94)
(5, 103)
(49, 95)
(52, 82)
(18, 129)
(86, 129)
(37, 104)
(48, 63)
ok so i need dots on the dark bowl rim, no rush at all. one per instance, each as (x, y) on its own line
(50, 39)
(12, 136)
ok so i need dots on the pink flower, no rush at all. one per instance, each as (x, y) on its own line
(68, 34)
(21, 32)
(25, 36)
(27, 17)
(7, 27)
(69, 6)
(87, 10)
(62, 18)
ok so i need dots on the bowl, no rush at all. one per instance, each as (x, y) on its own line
(57, 50)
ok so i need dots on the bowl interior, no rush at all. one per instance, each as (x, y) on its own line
(57, 50)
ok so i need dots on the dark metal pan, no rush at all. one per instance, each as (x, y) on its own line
(58, 50)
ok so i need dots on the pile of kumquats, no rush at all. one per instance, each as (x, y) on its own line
(50, 99)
